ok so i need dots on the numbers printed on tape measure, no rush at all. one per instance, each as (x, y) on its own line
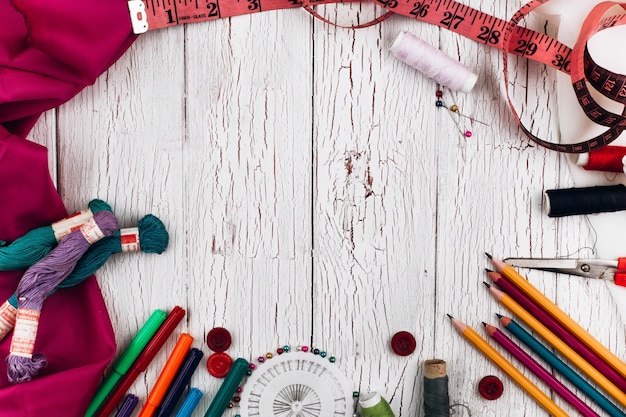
(468, 22)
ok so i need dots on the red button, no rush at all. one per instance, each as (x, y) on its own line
(218, 339)
(403, 343)
(490, 387)
(219, 364)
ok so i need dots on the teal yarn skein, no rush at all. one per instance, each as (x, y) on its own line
(153, 238)
(373, 405)
(29, 249)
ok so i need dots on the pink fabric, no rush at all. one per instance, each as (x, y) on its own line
(49, 51)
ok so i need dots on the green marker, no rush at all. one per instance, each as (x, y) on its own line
(126, 360)
(228, 388)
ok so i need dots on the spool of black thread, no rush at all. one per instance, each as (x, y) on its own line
(586, 200)
(436, 398)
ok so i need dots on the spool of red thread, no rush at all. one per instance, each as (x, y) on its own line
(607, 159)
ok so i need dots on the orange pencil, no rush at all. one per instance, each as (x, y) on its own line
(495, 356)
(167, 375)
(560, 345)
(552, 309)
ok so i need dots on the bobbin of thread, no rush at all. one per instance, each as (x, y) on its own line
(607, 159)
(436, 398)
(585, 200)
(373, 405)
(433, 63)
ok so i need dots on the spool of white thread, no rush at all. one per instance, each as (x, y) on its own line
(433, 63)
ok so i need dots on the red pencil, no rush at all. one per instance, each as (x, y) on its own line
(539, 370)
(142, 362)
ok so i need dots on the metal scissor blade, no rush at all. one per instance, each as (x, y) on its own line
(589, 268)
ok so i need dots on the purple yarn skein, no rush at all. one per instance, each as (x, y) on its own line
(38, 281)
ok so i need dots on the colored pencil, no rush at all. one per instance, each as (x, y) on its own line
(545, 303)
(166, 376)
(519, 378)
(558, 344)
(536, 368)
(557, 328)
(560, 366)
(143, 360)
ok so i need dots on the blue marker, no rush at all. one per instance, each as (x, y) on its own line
(190, 403)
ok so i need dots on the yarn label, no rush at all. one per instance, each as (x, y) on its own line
(67, 225)
(91, 231)
(129, 238)
(25, 333)
(8, 314)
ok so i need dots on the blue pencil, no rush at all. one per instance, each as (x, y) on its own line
(190, 403)
(560, 366)
(179, 383)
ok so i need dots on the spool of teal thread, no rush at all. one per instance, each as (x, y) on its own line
(373, 405)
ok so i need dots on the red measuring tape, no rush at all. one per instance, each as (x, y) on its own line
(464, 20)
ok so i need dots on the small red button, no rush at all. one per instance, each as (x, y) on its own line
(219, 364)
(403, 343)
(218, 339)
(490, 387)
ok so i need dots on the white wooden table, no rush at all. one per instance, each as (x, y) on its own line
(315, 195)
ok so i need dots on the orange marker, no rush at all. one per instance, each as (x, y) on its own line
(167, 375)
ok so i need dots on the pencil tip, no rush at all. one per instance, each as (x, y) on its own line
(488, 270)
(489, 255)
(484, 324)
(487, 284)
(499, 315)
(449, 316)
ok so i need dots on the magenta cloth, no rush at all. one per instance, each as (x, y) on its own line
(50, 51)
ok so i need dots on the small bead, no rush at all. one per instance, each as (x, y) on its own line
(316, 351)
(230, 405)
(279, 351)
(269, 355)
(252, 366)
(239, 389)
(249, 372)
(261, 359)
(286, 348)
(298, 348)
(439, 93)
(454, 108)
(236, 399)
(355, 394)
(305, 348)
(323, 354)
(468, 134)
(439, 103)
(332, 359)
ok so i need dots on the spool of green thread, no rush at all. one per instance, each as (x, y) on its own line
(373, 405)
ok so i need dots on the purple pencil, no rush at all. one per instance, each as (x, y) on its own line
(558, 329)
(539, 370)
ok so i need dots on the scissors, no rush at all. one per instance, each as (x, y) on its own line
(589, 268)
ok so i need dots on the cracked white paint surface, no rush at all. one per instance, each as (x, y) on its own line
(315, 194)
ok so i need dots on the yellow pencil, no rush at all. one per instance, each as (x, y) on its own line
(482, 345)
(559, 345)
(552, 309)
